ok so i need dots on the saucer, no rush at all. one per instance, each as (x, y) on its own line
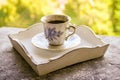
(41, 42)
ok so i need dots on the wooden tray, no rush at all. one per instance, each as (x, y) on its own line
(45, 61)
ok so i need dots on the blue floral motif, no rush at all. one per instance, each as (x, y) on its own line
(52, 34)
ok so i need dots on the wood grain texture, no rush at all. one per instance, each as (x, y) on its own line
(14, 67)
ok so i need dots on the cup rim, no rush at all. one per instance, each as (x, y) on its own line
(43, 19)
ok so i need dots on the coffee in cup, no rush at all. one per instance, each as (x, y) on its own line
(56, 28)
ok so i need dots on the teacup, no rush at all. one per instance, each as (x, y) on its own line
(56, 28)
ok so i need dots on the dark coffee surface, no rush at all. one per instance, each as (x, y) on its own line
(56, 21)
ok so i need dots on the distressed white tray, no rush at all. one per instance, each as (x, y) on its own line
(45, 61)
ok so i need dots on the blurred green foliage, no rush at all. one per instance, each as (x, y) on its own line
(23, 13)
(103, 16)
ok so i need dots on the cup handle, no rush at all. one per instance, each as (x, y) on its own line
(74, 29)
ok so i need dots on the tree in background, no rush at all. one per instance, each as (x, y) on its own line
(94, 13)
(115, 15)
(101, 15)
(23, 13)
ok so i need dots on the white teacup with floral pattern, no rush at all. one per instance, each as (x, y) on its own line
(56, 28)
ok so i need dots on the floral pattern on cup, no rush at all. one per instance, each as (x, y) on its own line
(52, 34)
